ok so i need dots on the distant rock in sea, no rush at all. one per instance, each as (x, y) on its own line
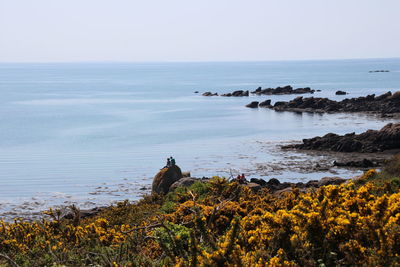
(371, 71)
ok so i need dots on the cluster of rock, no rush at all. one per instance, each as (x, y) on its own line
(210, 94)
(256, 104)
(167, 180)
(378, 71)
(387, 138)
(276, 187)
(237, 93)
(387, 103)
(364, 163)
(285, 90)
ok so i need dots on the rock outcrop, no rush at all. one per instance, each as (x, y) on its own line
(387, 138)
(183, 182)
(340, 93)
(253, 104)
(274, 186)
(387, 103)
(365, 163)
(237, 93)
(165, 178)
(285, 90)
(210, 94)
(265, 104)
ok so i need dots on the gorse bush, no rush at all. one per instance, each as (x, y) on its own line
(222, 224)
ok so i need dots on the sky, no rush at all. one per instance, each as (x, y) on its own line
(203, 30)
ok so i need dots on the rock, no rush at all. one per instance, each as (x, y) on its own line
(253, 186)
(383, 104)
(371, 71)
(209, 94)
(165, 178)
(253, 104)
(258, 181)
(237, 93)
(265, 103)
(185, 174)
(83, 213)
(273, 181)
(196, 92)
(340, 93)
(312, 183)
(285, 90)
(387, 138)
(331, 181)
(365, 163)
(183, 182)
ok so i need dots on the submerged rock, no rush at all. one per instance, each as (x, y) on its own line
(165, 178)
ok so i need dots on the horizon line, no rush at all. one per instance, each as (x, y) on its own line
(189, 61)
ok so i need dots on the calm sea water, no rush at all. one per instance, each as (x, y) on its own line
(90, 133)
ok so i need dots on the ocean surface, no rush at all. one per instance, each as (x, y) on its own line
(92, 133)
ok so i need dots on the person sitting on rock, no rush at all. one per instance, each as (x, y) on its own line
(238, 178)
(168, 163)
(172, 161)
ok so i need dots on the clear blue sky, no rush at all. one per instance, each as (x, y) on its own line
(204, 30)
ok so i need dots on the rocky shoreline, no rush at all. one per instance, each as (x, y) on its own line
(387, 138)
(170, 178)
(384, 104)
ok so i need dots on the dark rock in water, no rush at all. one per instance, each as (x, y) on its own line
(237, 93)
(183, 182)
(258, 181)
(265, 103)
(387, 138)
(253, 104)
(371, 71)
(209, 94)
(279, 103)
(196, 92)
(365, 163)
(285, 90)
(340, 93)
(383, 104)
(165, 178)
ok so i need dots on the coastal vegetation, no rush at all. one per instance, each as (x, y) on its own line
(223, 223)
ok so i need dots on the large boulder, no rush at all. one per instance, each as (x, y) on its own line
(165, 178)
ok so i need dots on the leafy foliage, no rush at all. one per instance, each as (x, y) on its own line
(222, 223)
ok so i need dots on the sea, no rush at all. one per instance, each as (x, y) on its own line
(92, 134)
